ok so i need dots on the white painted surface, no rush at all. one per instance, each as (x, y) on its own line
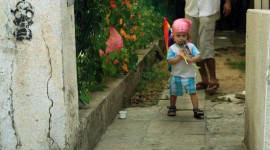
(38, 92)
(257, 79)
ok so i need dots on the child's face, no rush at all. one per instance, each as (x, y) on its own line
(179, 37)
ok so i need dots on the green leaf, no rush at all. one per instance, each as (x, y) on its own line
(85, 98)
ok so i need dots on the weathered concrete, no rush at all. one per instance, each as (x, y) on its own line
(257, 80)
(148, 128)
(38, 88)
(101, 111)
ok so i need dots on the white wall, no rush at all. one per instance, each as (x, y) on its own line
(258, 80)
(38, 88)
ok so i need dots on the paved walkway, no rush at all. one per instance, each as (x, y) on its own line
(149, 128)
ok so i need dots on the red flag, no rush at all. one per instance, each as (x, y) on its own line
(166, 28)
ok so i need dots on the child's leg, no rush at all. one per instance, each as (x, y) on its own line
(176, 89)
(173, 100)
(172, 107)
(195, 102)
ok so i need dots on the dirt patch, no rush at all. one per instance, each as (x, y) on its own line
(231, 80)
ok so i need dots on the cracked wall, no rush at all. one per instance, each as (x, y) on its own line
(7, 52)
(38, 88)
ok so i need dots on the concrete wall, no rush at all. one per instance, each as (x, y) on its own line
(38, 88)
(257, 131)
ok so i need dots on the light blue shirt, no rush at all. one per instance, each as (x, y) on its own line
(182, 69)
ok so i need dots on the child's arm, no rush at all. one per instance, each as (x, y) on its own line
(175, 60)
(194, 59)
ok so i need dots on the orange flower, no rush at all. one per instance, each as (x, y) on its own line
(125, 68)
(139, 15)
(134, 37)
(128, 37)
(122, 32)
(113, 5)
(121, 21)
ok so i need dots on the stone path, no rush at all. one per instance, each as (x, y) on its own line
(149, 128)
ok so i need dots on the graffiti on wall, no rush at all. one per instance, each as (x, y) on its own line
(23, 13)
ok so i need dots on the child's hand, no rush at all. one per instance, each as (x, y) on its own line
(181, 53)
(190, 60)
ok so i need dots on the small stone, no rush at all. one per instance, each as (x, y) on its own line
(240, 95)
(225, 98)
(239, 101)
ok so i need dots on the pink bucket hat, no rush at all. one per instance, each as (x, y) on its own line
(181, 25)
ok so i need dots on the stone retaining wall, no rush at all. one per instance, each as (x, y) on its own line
(102, 110)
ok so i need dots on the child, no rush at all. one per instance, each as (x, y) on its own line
(180, 56)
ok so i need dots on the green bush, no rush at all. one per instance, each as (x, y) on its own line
(136, 21)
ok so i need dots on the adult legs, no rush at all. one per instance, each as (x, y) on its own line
(203, 72)
(195, 39)
(211, 65)
(207, 66)
(206, 43)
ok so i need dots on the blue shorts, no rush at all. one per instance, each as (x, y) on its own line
(178, 84)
